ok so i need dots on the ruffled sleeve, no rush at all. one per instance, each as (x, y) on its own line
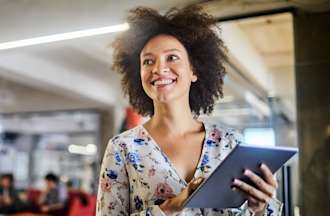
(113, 192)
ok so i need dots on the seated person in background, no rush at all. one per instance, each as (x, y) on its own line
(9, 200)
(53, 199)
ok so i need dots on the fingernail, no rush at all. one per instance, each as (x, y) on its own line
(233, 189)
(247, 172)
(236, 181)
(263, 166)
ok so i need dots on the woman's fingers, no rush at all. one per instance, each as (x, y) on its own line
(194, 183)
(265, 188)
(186, 192)
(254, 204)
(174, 205)
(251, 199)
(251, 191)
(268, 175)
(260, 183)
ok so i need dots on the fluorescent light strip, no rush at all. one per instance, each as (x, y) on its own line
(89, 149)
(63, 36)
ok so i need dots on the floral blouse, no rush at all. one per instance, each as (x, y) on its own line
(136, 176)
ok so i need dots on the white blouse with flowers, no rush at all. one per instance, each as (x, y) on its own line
(136, 176)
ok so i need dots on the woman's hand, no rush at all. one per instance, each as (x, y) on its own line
(44, 208)
(174, 205)
(7, 201)
(258, 197)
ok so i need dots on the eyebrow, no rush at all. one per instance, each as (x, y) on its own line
(168, 50)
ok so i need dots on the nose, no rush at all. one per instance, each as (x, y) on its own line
(160, 67)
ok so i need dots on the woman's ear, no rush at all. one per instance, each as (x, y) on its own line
(194, 78)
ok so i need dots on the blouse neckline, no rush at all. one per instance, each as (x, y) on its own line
(204, 148)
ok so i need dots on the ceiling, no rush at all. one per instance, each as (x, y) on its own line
(76, 74)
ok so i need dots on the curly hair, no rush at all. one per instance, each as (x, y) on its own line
(191, 26)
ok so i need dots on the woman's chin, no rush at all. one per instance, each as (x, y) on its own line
(164, 99)
(168, 98)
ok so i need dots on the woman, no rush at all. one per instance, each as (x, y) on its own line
(9, 198)
(172, 69)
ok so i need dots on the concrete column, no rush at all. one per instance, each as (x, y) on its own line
(106, 129)
(312, 68)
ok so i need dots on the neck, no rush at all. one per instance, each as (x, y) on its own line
(173, 119)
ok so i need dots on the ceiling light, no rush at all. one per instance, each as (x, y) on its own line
(63, 36)
(89, 149)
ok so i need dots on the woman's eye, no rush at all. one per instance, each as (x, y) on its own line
(147, 62)
(172, 58)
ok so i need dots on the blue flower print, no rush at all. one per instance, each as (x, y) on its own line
(133, 157)
(139, 141)
(148, 213)
(138, 203)
(204, 165)
(211, 143)
(205, 160)
(269, 211)
(117, 158)
(214, 137)
(139, 177)
(111, 174)
(165, 157)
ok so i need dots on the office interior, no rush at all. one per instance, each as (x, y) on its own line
(60, 101)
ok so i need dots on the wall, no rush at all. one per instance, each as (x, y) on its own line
(312, 63)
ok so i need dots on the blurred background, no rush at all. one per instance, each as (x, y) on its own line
(60, 102)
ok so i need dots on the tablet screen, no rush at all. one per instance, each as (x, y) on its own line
(216, 192)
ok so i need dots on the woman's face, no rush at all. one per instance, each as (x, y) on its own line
(166, 73)
(5, 182)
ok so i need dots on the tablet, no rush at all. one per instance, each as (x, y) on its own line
(215, 191)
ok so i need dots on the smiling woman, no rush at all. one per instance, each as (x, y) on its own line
(172, 68)
(166, 74)
(191, 30)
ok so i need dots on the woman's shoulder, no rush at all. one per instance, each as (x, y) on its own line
(220, 131)
(126, 140)
(127, 136)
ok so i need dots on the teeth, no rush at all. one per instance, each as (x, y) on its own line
(163, 82)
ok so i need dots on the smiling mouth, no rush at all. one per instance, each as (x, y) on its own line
(163, 82)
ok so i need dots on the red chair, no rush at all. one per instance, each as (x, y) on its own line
(79, 208)
(33, 195)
